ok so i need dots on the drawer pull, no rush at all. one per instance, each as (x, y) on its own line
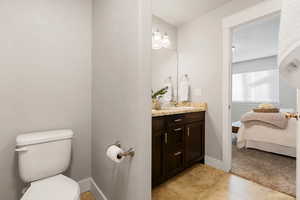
(166, 138)
(178, 129)
(178, 153)
(177, 120)
(188, 132)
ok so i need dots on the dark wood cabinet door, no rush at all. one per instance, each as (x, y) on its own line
(157, 157)
(194, 142)
(174, 162)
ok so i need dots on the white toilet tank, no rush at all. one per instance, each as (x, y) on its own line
(43, 154)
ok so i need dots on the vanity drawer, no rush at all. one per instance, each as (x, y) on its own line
(175, 138)
(185, 118)
(194, 117)
(175, 120)
(174, 163)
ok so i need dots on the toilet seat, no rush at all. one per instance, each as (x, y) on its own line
(57, 187)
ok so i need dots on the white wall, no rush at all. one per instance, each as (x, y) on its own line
(121, 96)
(200, 47)
(45, 79)
(164, 61)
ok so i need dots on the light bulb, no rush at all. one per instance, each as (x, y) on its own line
(156, 35)
(166, 41)
(156, 40)
(233, 48)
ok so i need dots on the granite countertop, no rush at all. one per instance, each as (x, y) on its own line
(180, 109)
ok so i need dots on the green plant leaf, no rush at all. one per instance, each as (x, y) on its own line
(160, 93)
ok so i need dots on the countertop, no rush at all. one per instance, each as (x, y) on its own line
(180, 109)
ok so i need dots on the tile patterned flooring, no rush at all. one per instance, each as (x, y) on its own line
(206, 183)
(202, 182)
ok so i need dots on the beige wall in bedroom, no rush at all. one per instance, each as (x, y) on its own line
(45, 79)
(287, 94)
(200, 47)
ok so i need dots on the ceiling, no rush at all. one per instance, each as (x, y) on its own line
(178, 12)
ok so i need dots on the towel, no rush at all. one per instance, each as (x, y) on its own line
(168, 97)
(276, 119)
(266, 106)
(184, 89)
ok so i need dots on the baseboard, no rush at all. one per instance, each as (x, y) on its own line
(85, 185)
(99, 195)
(215, 163)
(89, 184)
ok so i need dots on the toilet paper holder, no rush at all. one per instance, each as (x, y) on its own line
(130, 152)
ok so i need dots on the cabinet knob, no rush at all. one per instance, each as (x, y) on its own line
(177, 120)
(178, 153)
(178, 129)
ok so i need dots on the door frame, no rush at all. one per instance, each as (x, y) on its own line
(262, 10)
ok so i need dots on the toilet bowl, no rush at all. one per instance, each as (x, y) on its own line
(57, 187)
(42, 158)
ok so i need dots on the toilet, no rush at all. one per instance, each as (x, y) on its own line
(42, 158)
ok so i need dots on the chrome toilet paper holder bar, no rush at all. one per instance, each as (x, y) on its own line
(130, 152)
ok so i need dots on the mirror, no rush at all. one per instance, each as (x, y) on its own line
(164, 59)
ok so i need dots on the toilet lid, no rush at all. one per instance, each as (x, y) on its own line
(54, 188)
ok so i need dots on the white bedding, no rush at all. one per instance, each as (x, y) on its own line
(267, 135)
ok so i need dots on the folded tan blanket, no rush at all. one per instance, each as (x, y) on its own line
(276, 119)
(268, 110)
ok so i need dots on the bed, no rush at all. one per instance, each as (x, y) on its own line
(267, 137)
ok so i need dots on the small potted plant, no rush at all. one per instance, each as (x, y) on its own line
(156, 97)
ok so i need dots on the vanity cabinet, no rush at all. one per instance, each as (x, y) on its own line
(177, 143)
(158, 135)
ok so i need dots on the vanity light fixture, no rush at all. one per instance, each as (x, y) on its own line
(156, 40)
(233, 48)
(159, 41)
(157, 35)
(166, 41)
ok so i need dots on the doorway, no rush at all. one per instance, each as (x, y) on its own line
(263, 151)
(241, 156)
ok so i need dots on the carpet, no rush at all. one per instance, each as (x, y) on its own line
(271, 170)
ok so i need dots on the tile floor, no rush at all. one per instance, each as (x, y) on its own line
(87, 196)
(202, 182)
(206, 183)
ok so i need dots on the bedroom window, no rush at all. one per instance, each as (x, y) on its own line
(256, 87)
